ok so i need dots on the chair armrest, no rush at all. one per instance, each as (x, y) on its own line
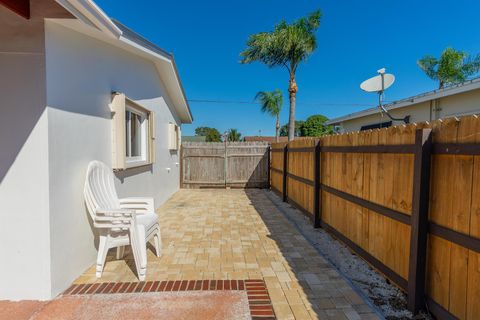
(114, 218)
(139, 204)
(123, 212)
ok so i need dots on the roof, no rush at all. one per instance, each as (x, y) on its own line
(265, 139)
(137, 38)
(270, 139)
(115, 32)
(427, 96)
(194, 138)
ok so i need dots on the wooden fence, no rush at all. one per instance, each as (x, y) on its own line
(405, 198)
(218, 164)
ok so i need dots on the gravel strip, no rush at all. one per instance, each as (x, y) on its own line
(387, 298)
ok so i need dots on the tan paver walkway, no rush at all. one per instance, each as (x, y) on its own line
(238, 234)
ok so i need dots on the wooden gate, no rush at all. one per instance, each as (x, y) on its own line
(220, 165)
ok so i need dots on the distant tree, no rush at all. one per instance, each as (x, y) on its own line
(213, 136)
(315, 126)
(210, 134)
(271, 102)
(234, 135)
(202, 131)
(286, 46)
(452, 67)
(298, 129)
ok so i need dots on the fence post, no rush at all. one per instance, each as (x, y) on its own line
(285, 172)
(317, 196)
(419, 220)
(269, 163)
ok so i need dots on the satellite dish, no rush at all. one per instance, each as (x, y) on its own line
(376, 84)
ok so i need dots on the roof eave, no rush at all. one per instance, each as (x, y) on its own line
(431, 95)
(89, 13)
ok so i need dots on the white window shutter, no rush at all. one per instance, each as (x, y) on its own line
(172, 136)
(179, 137)
(152, 142)
(118, 131)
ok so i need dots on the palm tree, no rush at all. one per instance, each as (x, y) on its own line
(271, 102)
(233, 135)
(287, 46)
(452, 67)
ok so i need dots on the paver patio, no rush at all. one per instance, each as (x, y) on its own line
(240, 234)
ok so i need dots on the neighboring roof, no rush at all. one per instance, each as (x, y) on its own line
(93, 16)
(270, 139)
(265, 139)
(427, 96)
(194, 138)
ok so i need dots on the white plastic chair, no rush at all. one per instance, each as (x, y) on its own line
(121, 222)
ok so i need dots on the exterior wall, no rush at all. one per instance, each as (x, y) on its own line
(418, 112)
(81, 74)
(460, 104)
(24, 193)
(454, 105)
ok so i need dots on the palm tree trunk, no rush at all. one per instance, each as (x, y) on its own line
(277, 128)
(292, 94)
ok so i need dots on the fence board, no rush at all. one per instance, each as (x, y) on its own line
(471, 134)
(301, 164)
(276, 175)
(364, 165)
(235, 164)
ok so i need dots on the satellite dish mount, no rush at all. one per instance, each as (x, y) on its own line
(379, 84)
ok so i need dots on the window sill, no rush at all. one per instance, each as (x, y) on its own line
(136, 164)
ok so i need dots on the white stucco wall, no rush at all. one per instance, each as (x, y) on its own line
(24, 179)
(81, 74)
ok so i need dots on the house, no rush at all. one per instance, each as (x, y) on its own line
(76, 86)
(457, 100)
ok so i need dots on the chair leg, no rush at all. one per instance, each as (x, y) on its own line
(120, 252)
(102, 255)
(158, 243)
(138, 244)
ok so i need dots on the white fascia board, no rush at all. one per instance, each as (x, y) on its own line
(143, 49)
(436, 94)
(91, 14)
(176, 88)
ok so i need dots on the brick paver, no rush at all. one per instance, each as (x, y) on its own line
(238, 234)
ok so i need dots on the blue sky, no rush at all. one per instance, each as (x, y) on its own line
(354, 40)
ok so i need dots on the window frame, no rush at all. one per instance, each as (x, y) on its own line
(120, 105)
(142, 159)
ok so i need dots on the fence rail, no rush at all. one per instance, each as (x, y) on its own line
(406, 199)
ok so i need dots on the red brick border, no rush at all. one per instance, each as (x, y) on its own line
(258, 298)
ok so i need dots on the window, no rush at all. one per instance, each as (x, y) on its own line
(377, 126)
(136, 125)
(133, 128)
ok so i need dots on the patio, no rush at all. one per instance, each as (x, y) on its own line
(238, 235)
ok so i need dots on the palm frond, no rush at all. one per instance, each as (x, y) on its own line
(429, 65)
(471, 65)
(287, 45)
(271, 102)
